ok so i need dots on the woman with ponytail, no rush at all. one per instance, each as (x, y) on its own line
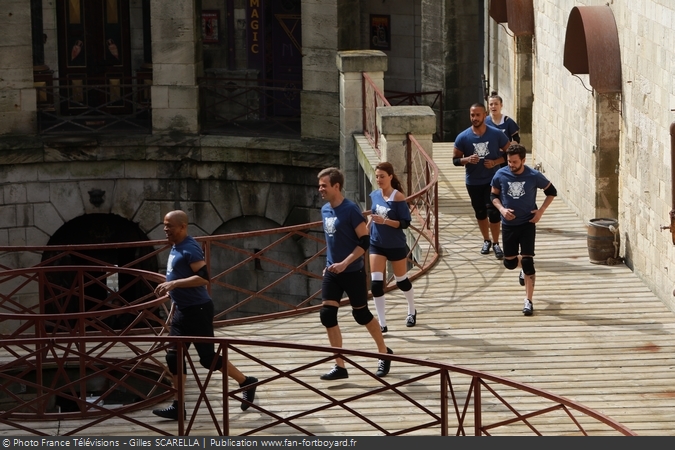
(390, 216)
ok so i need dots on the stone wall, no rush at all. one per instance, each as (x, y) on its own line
(17, 96)
(565, 127)
(404, 56)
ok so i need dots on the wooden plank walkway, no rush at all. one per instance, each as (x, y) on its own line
(599, 336)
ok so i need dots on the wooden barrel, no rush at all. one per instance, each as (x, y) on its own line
(601, 240)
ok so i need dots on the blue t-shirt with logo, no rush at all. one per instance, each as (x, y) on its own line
(508, 126)
(519, 192)
(178, 267)
(383, 235)
(339, 226)
(488, 146)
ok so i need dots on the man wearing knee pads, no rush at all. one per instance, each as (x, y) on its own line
(480, 149)
(514, 194)
(347, 240)
(186, 281)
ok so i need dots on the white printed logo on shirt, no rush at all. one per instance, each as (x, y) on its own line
(516, 189)
(382, 211)
(329, 225)
(481, 149)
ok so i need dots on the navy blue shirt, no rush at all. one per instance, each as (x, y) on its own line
(339, 226)
(508, 126)
(488, 146)
(383, 235)
(519, 192)
(178, 267)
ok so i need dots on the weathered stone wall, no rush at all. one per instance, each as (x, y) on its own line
(405, 54)
(215, 179)
(566, 120)
(452, 58)
(17, 96)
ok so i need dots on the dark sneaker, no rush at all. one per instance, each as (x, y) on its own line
(337, 373)
(383, 365)
(521, 278)
(411, 320)
(170, 412)
(528, 308)
(486, 248)
(383, 329)
(249, 394)
(499, 254)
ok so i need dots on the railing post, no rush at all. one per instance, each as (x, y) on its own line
(445, 380)
(351, 65)
(478, 420)
(394, 123)
(226, 393)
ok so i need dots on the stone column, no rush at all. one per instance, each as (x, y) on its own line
(176, 64)
(524, 97)
(18, 109)
(394, 123)
(351, 65)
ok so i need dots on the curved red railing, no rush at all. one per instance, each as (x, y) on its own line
(438, 399)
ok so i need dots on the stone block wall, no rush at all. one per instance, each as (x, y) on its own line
(405, 29)
(564, 128)
(17, 95)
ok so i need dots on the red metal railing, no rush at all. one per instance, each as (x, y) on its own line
(89, 105)
(423, 180)
(250, 105)
(438, 398)
(372, 98)
(433, 99)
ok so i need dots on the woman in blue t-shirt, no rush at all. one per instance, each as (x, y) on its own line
(500, 121)
(390, 216)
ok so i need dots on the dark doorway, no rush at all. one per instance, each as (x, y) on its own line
(286, 54)
(99, 229)
(94, 50)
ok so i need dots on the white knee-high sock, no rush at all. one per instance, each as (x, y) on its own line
(409, 295)
(379, 307)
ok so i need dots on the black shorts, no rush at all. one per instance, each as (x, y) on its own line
(517, 236)
(392, 254)
(481, 203)
(193, 321)
(353, 283)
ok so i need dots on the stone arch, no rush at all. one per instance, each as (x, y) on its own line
(100, 229)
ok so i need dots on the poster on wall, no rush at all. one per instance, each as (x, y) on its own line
(380, 32)
(210, 27)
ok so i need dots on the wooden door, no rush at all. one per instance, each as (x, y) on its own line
(94, 55)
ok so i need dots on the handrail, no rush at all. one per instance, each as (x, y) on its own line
(468, 401)
(373, 97)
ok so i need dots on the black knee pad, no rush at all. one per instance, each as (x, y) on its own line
(363, 316)
(528, 265)
(511, 263)
(481, 214)
(377, 288)
(494, 215)
(404, 285)
(328, 316)
(172, 362)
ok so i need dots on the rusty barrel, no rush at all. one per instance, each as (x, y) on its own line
(602, 233)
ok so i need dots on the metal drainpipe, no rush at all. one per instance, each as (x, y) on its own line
(672, 184)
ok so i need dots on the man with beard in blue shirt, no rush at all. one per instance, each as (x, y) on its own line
(514, 194)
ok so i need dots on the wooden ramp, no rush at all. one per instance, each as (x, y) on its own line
(598, 336)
